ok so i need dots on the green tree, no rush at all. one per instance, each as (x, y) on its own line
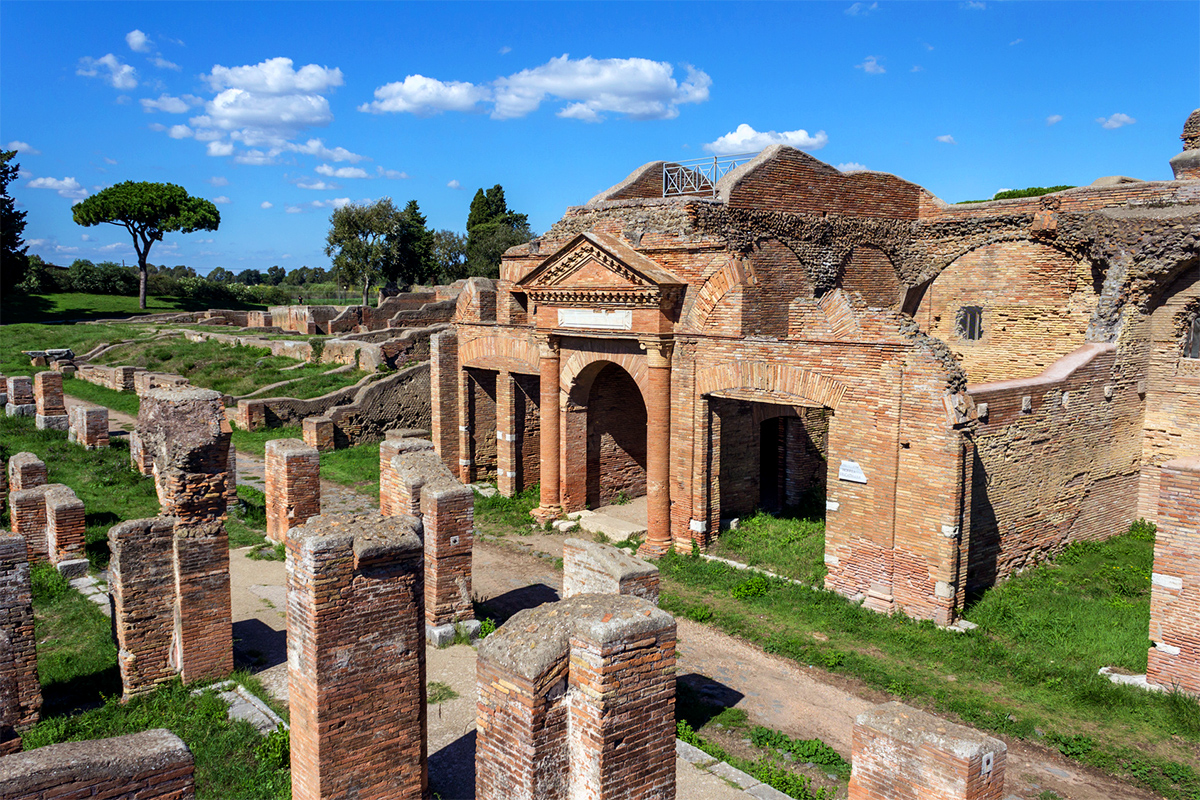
(275, 275)
(450, 255)
(249, 277)
(492, 228)
(147, 211)
(377, 241)
(221, 275)
(13, 258)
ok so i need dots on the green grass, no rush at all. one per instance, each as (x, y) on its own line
(256, 441)
(320, 385)
(103, 479)
(1030, 665)
(438, 693)
(125, 402)
(356, 467)
(498, 514)
(247, 523)
(80, 338)
(793, 547)
(74, 306)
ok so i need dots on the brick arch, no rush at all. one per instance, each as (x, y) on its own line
(943, 263)
(722, 282)
(499, 352)
(579, 360)
(770, 377)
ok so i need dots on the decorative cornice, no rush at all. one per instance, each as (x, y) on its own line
(640, 297)
(557, 272)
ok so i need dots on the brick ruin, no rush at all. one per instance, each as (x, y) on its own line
(900, 753)
(20, 691)
(48, 516)
(1174, 660)
(577, 699)
(597, 568)
(293, 486)
(18, 401)
(969, 388)
(152, 765)
(25, 471)
(51, 412)
(88, 426)
(356, 658)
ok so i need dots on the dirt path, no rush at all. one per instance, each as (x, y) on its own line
(803, 702)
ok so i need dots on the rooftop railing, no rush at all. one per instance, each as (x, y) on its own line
(699, 176)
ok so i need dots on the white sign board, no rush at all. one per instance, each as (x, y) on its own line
(851, 471)
(595, 318)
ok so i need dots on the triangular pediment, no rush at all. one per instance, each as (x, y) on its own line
(594, 261)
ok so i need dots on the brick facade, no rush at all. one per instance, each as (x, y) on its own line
(1175, 591)
(48, 397)
(20, 691)
(88, 426)
(293, 486)
(596, 568)
(152, 765)
(356, 658)
(900, 753)
(577, 699)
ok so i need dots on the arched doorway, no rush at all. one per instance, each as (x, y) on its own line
(616, 437)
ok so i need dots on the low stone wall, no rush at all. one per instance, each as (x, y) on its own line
(119, 379)
(275, 412)
(596, 568)
(400, 400)
(153, 765)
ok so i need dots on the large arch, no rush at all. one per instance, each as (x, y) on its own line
(511, 353)
(580, 362)
(777, 382)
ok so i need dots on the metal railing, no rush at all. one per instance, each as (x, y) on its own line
(699, 176)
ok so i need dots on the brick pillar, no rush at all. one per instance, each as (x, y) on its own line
(88, 426)
(27, 513)
(293, 486)
(3, 390)
(231, 497)
(411, 468)
(466, 420)
(658, 449)
(1175, 583)
(318, 432)
(142, 578)
(507, 426)
(443, 396)
(25, 471)
(393, 497)
(182, 432)
(66, 526)
(48, 397)
(551, 504)
(900, 753)
(20, 397)
(448, 516)
(347, 573)
(203, 617)
(20, 692)
(595, 568)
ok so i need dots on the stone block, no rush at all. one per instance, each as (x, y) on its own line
(25, 471)
(597, 568)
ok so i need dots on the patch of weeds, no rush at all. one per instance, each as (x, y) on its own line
(247, 521)
(601, 537)
(791, 544)
(803, 750)
(731, 718)
(1048, 795)
(754, 586)
(499, 514)
(622, 499)
(269, 552)
(1185, 711)
(631, 544)
(487, 627)
(774, 775)
(275, 749)
(438, 692)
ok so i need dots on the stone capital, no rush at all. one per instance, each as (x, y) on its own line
(547, 345)
(658, 351)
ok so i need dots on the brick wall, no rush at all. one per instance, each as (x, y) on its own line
(66, 524)
(119, 379)
(577, 699)
(355, 608)
(596, 568)
(20, 691)
(88, 426)
(443, 384)
(318, 433)
(900, 753)
(153, 765)
(481, 411)
(25, 471)
(616, 438)
(27, 515)
(293, 485)
(183, 433)
(48, 397)
(1175, 592)
(395, 497)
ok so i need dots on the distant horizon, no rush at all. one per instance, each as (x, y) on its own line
(280, 112)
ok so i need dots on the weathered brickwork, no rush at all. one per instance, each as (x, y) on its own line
(153, 765)
(1175, 583)
(577, 699)
(182, 433)
(66, 524)
(20, 402)
(88, 426)
(25, 471)
(119, 379)
(355, 634)
(20, 691)
(318, 433)
(395, 498)
(48, 397)
(596, 568)
(900, 753)
(293, 486)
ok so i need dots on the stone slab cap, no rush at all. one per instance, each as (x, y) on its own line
(1184, 464)
(135, 528)
(444, 487)
(536, 640)
(407, 444)
(26, 774)
(907, 724)
(22, 460)
(422, 465)
(373, 537)
(408, 433)
(286, 447)
(613, 560)
(59, 496)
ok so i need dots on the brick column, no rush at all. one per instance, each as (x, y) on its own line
(20, 397)
(466, 447)
(393, 497)
(20, 692)
(25, 471)
(551, 504)
(88, 426)
(27, 513)
(66, 525)
(183, 434)
(507, 454)
(900, 753)
(658, 449)
(293, 486)
(143, 589)
(48, 397)
(1175, 582)
(319, 433)
(203, 617)
(448, 516)
(443, 396)
(347, 574)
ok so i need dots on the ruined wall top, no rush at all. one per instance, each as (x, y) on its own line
(121, 757)
(918, 728)
(373, 538)
(1191, 131)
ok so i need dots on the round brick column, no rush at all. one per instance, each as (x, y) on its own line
(550, 504)
(658, 449)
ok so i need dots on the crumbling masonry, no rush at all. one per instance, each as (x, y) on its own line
(597, 568)
(20, 691)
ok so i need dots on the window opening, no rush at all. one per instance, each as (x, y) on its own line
(970, 322)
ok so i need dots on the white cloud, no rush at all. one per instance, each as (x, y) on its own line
(851, 166)
(1054, 119)
(341, 172)
(180, 132)
(274, 76)
(266, 204)
(871, 66)
(23, 147)
(1015, 42)
(110, 69)
(295, 210)
(453, 184)
(123, 247)
(85, 237)
(66, 187)
(220, 148)
(138, 42)
(336, 202)
(320, 186)
(110, 160)
(635, 87)
(973, 5)
(219, 180)
(505, 50)
(1115, 121)
(264, 118)
(391, 174)
(862, 9)
(255, 158)
(221, 200)
(917, 68)
(316, 147)
(747, 140)
(162, 63)
(946, 139)
(169, 104)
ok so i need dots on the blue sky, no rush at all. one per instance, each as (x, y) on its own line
(280, 111)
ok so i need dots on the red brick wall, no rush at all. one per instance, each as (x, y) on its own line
(66, 525)
(203, 620)
(293, 485)
(616, 438)
(143, 589)
(394, 497)
(27, 514)
(443, 393)
(482, 415)
(1175, 592)
(527, 402)
(355, 632)
(25, 471)
(870, 273)
(89, 426)
(20, 691)
(48, 394)
(448, 514)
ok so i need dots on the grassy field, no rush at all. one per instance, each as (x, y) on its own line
(80, 338)
(68, 306)
(125, 402)
(1028, 670)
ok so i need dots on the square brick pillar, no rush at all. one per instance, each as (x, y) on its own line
(3, 390)
(293, 486)
(25, 471)
(507, 435)
(448, 516)
(27, 513)
(1175, 582)
(20, 691)
(48, 397)
(394, 498)
(20, 401)
(66, 525)
(88, 426)
(443, 396)
(318, 432)
(355, 633)
(203, 613)
(595, 568)
(142, 578)
(900, 753)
